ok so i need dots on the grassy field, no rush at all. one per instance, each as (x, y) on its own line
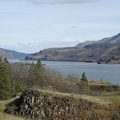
(106, 98)
(85, 97)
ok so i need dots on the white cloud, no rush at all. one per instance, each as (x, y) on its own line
(71, 40)
(32, 47)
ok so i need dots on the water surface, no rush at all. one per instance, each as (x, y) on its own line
(94, 71)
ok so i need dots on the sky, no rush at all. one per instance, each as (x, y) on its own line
(32, 25)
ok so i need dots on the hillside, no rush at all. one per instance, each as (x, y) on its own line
(52, 96)
(106, 50)
(51, 105)
(11, 54)
(5, 54)
(111, 40)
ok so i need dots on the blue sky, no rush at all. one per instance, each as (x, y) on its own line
(32, 25)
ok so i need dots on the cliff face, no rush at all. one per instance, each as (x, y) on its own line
(39, 105)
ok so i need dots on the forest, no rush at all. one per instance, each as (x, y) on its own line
(19, 76)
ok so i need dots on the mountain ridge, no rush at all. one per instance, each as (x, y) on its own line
(106, 50)
(11, 53)
(111, 40)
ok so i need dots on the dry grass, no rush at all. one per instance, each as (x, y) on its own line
(4, 103)
(77, 96)
(4, 116)
(101, 100)
(109, 99)
(99, 82)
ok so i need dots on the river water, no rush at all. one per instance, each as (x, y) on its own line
(93, 71)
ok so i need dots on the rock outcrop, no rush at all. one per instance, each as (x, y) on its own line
(39, 106)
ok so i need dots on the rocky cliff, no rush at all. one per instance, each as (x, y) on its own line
(42, 105)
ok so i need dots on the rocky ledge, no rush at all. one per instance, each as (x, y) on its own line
(46, 106)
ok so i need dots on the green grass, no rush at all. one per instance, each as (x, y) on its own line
(99, 82)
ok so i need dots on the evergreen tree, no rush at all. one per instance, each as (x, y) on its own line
(39, 73)
(31, 76)
(39, 64)
(5, 60)
(19, 87)
(84, 78)
(5, 80)
(36, 75)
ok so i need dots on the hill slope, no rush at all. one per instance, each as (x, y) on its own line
(5, 54)
(106, 50)
(111, 40)
(11, 54)
(49, 105)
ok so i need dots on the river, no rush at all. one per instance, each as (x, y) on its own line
(93, 71)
